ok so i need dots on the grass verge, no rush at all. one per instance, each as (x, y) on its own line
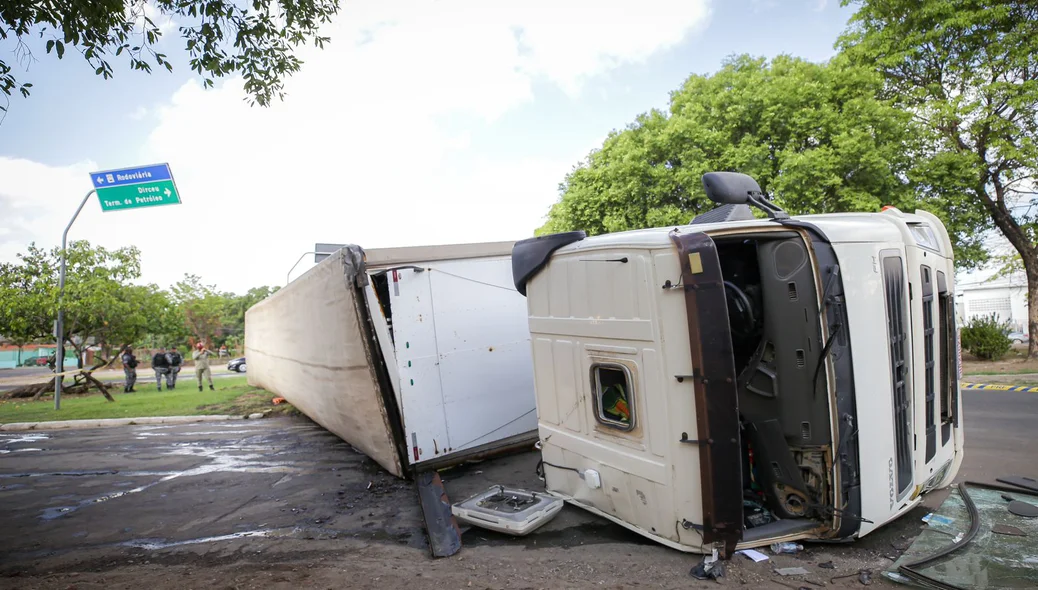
(232, 396)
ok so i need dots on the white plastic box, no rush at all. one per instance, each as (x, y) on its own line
(507, 510)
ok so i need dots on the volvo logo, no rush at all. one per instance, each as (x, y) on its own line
(890, 473)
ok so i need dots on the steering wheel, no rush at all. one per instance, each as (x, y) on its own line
(740, 310)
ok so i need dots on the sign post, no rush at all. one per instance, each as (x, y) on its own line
(126, 188)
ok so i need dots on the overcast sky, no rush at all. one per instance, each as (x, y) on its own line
(421, 122)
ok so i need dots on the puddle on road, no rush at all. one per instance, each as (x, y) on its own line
(10, 439)
(148, 435)
(6, 451)
(219, 460)
(156, 544)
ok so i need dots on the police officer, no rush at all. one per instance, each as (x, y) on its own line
(160, 364)
(175, 360)
(129, 369)
(201, 356)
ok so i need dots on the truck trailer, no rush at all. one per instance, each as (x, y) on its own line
(418, 357)
(744, 379)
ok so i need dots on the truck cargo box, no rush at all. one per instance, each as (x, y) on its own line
(418, 357)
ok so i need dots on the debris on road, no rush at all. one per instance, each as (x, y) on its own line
(987, 555)
(787, 548)
(1027, 483)
(791, 571)
(508, 510)
(753, 554)
(1005, 529)
(1024, 509)
(937, 519)
(710, 568)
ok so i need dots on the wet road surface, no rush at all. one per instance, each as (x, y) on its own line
(283, 503)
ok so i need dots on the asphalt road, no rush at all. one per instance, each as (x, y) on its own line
(283, 503)
(1000, 434)
(23, 372)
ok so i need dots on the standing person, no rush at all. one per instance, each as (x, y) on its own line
(129, 369)
(160, 364)
(175, 360)
(201, 356)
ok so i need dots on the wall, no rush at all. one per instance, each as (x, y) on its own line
(1007, 299)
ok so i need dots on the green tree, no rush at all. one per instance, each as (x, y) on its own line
(817, 138)
(968, 71)
(102, 306)
(257, 39)
(237, 305)
(26, 302)
(202, 307)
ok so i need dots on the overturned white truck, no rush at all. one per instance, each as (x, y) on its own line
(740, 381)
(418, 357)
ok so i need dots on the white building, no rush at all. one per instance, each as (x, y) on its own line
(1006, 297)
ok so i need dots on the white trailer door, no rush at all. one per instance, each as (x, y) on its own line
(486, 365)
(421, 394)
(463, 354)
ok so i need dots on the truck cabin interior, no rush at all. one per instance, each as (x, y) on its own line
(784, 413)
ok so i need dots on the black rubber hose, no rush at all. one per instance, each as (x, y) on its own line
(908, 569)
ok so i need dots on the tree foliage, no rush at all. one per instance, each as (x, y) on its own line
(257, 39)
(968, 70)
(102, 306)
(986, 337)
(26, 297)
(817, 137)
(106, 307)
(202, 307)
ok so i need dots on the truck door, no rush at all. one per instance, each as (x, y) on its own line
(418, 364)
(714, 384)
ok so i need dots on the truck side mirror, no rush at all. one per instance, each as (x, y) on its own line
(734, 188)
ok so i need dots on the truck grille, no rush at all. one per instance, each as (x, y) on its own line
(897, 338)
(928, 357)
(949, 357)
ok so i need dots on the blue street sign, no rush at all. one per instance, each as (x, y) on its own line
(131, 188)
(136, 175)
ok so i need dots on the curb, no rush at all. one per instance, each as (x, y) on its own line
(110, 422)
(998, 387)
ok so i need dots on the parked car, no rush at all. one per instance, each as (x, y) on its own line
(1018, 337)
(35, 361)
(237, 365)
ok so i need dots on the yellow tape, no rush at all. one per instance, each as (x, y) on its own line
(998, 387)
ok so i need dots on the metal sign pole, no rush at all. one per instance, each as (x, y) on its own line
(59, 328)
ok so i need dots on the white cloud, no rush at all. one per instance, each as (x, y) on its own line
(361, 151)
(165, 23)
(138, 114)
(33, 199)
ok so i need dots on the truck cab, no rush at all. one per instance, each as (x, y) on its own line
(740, 380)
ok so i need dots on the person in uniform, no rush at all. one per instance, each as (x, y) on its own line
(201, 356)
(175, 360)
(160, 364)
(129, 369)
